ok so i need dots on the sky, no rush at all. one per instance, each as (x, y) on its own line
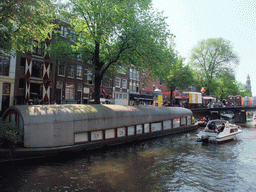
(235, 20)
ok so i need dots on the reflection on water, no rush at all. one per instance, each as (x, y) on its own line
(173, 163)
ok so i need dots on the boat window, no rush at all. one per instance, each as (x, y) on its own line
(156, 127)
(146, 128)
(188, 120)
(183, 121)
(176, 123)
(139, 129)
(167, 125)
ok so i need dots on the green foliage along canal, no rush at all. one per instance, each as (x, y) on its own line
(172, 163)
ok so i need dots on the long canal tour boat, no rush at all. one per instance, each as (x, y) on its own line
(51, 129)
(218, 131)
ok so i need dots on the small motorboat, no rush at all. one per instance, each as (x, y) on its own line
(227, 115)
(218, 130)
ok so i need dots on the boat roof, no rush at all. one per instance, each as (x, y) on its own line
(66, 112)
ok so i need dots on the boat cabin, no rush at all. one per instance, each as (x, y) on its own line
(70, 124)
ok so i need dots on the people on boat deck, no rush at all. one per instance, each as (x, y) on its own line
(213, 128)
(219, 129)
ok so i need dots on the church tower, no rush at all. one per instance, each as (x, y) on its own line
(248, 83)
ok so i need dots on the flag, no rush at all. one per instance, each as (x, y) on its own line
(104, 91)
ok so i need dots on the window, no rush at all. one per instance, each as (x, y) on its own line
(36, 69)
(130, 73)
(79, 57)
(80, 38)
(134, 87)
(122, 70)
(160, 83)
(22, 61)
(4, 65)
(134, 74)
(106, 82)
(89, 76)
(6, 88)
(138, 87)
(73, 35)
(124, 84)
(138, 76)
(79, 71)
(118, 82)
(143, 85)
(61, 68)
(39, 50)
(125, 96)
(70, 91)
(63, 31)
(22, 83)
(71, 70)
(130, 86)
(144, 73)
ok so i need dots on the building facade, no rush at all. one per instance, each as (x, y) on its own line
(35, 78)
(7, 80)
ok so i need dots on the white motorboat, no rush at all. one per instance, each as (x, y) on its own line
(227, 115)
(218, 131)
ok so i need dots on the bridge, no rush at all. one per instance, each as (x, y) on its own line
(214, 113)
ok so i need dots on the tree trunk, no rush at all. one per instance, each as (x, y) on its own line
(98, 76)
(171, 96)
(97, 83)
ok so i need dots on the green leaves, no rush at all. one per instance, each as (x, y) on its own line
(9, 131)
(211, 58)
(115, 33)
(22, 22)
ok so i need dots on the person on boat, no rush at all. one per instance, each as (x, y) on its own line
(220, 129)
(211, 127)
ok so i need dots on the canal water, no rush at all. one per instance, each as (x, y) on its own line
(172, 163)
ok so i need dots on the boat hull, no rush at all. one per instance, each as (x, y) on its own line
(218, 133)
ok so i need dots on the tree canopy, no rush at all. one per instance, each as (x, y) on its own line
(114, 34)
(23, 22)
(175, 73)
(211, 58)
(227, 85)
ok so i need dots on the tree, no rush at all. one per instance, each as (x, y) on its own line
(113, 34)
(225, 86)
(212, 57)
(22, 23)
(175, 74)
